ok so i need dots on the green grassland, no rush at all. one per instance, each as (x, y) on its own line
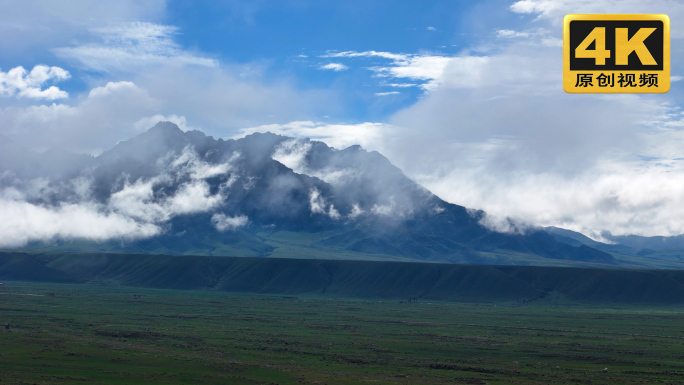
(108, 334)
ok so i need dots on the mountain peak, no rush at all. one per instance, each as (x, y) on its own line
(165, 128)
(355, 147)
(150, 145)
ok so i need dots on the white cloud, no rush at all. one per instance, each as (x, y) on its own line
(336, 177)
(465, 71)
(223, 222)
(383, 209)
(468, 70)
(316, 202)
(431, 28)
(214, 99)
(145, 123)
(544, 7)
(130, 46)
(317, 205)
(355, 211)
(526, 34)
(132, 212)
(372, 136)
(425, 68)
(137, 199)
(545, 158)
(352, 54)
(95, 121)
(387, 93)
(127, 42)
(641, 199)
(555, 10)
(23, 84)
(400, 85)
(535, 36)
(509, 33)
(190, 163)
(220, 101)
(337, 67)
(194, 198)
(22, 222)
(498, 133)
(37, 25)
(292, 153)
(333, 213)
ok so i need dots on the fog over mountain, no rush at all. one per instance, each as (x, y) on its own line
(174, 192)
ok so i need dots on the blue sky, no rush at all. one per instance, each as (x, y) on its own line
(288, 40)
(464, 96)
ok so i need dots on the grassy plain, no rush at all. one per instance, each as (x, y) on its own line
(63, 333)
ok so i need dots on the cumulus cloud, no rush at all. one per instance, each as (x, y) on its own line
(223, 222)
(18, 82)
(131, 45)
(337, 67)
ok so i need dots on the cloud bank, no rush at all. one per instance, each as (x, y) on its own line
(138, 209)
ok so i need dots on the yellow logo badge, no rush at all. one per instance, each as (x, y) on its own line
(616, 53)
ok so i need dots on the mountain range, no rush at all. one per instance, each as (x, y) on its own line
(171, 192)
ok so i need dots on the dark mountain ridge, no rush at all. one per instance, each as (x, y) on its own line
(353, 279)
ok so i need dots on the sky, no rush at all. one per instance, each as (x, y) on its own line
(465, 96)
